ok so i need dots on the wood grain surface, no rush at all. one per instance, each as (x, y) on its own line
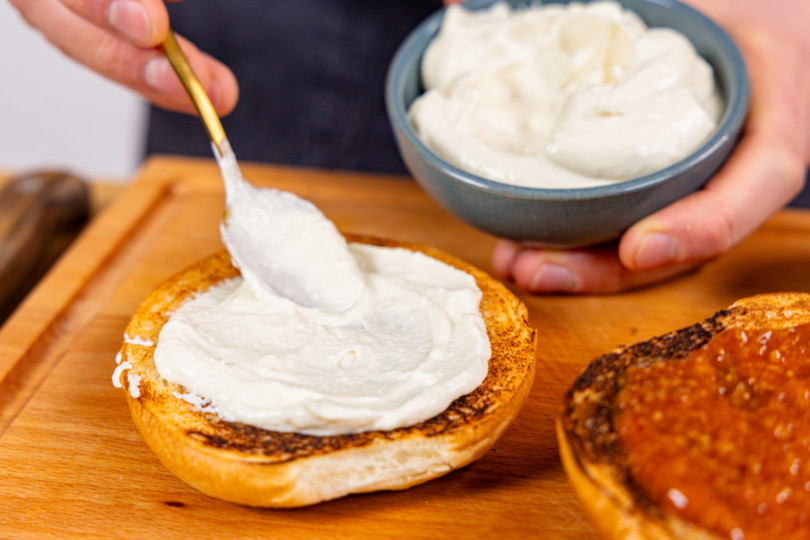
(73, 464)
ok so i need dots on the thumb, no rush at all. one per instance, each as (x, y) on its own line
(758, 180)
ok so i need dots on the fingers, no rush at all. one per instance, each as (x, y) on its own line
(754, 184)
(166, 90)
(596, 270)
(94, 42)
(143, 23)
(757, 180)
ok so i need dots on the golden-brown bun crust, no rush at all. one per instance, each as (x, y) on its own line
(589, 450)
(257, 467)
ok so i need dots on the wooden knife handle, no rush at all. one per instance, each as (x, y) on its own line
(40, 214)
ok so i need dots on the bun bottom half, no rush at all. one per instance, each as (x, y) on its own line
(257, 467)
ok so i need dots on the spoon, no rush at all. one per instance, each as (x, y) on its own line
(199, 98)
(282, 244)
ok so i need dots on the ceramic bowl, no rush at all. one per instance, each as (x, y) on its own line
(570, 217)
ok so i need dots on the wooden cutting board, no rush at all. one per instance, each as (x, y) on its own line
(73, 464)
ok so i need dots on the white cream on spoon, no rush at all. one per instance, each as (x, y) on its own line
(284, 244)
(281, 243)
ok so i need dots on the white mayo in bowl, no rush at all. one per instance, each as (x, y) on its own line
(409, 340)
(562, 96)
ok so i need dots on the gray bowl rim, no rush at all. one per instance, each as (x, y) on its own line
(729, 126)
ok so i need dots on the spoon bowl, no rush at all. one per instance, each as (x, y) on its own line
(281, 243)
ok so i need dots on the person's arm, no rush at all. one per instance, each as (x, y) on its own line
(766, 170)
(117, 38)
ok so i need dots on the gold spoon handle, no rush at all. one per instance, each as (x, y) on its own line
(208, 115)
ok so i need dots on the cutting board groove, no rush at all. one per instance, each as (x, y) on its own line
(43, 352)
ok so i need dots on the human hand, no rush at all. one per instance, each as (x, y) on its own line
(765, 171)
(117, 38)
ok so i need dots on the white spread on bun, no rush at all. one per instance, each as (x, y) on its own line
(413, 343)
(318, 338)
(259, 467)
(299, 368)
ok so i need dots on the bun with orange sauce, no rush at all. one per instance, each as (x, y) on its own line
(700, 433)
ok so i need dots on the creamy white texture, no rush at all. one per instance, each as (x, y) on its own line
(412, 343)
(562, 96)
(283, 244)
(137, 341)
(133, 381)
(318, 336)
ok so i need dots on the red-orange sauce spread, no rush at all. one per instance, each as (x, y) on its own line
(722, 437)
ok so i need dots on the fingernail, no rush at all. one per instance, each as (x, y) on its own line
(656, 249)
(553, 278)
(159, 75)
(129, 18)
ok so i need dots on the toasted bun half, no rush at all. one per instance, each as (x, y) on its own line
(591, 455)
(257, 467)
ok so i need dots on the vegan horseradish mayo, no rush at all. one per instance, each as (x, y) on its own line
(283, 245)
(562, 96)
(394, 351)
